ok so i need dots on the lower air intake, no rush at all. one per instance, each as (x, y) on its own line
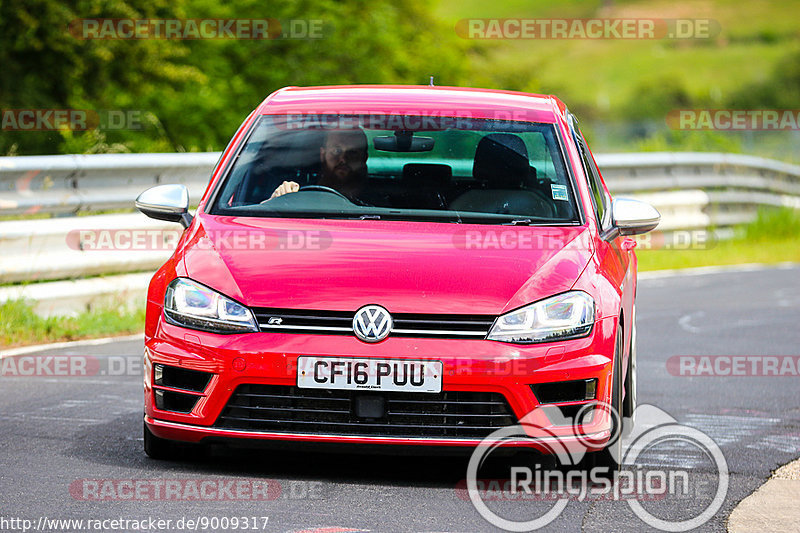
(287, 409)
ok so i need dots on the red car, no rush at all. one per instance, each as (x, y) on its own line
(393, 265)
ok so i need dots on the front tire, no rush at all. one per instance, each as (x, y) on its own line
(158, 448)
(630, 401)
(610, 457)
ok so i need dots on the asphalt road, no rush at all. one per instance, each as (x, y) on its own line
(56, 432)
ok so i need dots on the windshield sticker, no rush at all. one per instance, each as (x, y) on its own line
(559, 191)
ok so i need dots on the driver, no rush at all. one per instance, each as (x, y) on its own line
(343, 157)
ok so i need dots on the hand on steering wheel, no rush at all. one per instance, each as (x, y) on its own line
(323, 188)
(284, 188)
(291, 186)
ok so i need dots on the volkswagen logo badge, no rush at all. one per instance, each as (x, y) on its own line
(372, 323)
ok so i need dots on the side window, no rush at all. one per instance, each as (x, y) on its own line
(601, 201)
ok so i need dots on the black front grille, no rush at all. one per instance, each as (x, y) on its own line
(405, 324)
(286, 409)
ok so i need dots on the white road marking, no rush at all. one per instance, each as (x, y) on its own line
(70, 344)
(52, 418)
(781, 443)
(700, 271)
(685, 321)
(74, 380)
(728, 429)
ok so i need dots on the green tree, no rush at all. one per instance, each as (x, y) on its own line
(780, 91)
(194, 93)
(44, 66)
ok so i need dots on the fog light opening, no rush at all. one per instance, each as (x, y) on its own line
(591, 389)
(580, 390)
(175, 402)
(180, 378)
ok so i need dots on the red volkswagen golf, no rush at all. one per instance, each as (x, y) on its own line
(393, 265)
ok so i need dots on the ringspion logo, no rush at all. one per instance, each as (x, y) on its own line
(565, 439)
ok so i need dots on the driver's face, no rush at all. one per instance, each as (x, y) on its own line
(344, 157)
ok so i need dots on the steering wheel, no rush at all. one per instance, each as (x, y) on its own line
(323, 188)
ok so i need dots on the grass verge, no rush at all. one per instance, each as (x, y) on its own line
(774, 237)
(20, 325)
(733, 252)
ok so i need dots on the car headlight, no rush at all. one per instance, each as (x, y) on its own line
(189, 304)
(565, 316)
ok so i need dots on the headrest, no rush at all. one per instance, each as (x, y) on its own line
(427, 175)
(501, 161)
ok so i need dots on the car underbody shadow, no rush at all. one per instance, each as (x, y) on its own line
(118, 443)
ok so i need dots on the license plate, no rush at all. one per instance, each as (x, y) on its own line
(345, 373)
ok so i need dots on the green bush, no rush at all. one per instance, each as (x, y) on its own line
(774, 224)
(691, 141)
(780, 91)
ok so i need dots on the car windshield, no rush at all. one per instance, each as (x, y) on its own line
(400, 167)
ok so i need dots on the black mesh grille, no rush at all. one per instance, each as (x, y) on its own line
(286, 409)
(405, 324)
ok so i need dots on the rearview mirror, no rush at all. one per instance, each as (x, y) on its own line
(634, 217)
(403, 141)
(166, 202)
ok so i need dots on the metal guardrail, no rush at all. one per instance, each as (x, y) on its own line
(776, 183)
(64, 184)
(67, 184)
(692, 191)
(697, 190)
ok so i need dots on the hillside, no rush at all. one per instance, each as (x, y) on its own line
(606, 81)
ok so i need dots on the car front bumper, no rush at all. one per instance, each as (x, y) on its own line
(468, 365)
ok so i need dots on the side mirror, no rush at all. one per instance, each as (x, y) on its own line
(166, 202)
(634, 217)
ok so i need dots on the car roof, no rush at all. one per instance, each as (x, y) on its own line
(414, 100)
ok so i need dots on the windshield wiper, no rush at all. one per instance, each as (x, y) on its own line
(369, 217)
(519, 222)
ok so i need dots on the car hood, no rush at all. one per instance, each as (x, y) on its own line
(407, 267)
